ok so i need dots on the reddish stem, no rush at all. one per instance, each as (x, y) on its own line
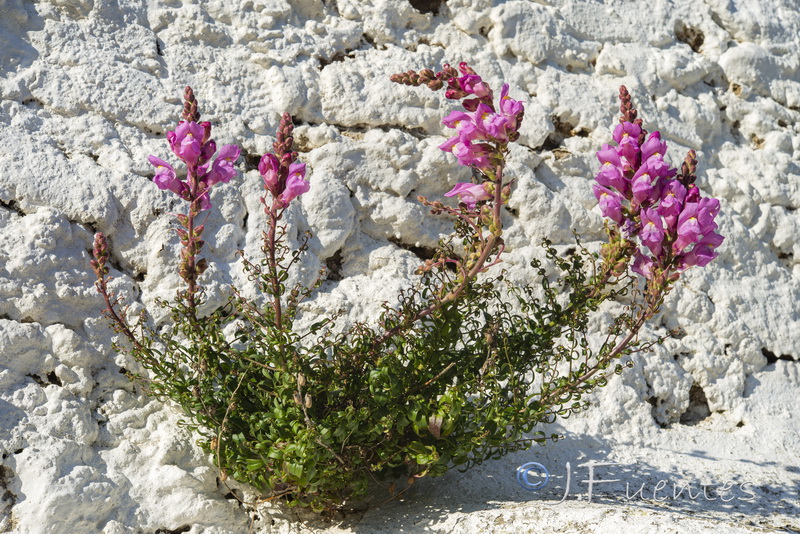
(488, 247)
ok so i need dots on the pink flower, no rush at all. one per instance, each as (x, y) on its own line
(295, 184)
(707, 210)
(465, 125)
(223, 170)
(166, 179)
(509, 106)
(626, 135)
(494, 125)
(472, 154)
(469, 193)
(642, 185)
(671, 202)
(703, 252)
(611, 170)
(610, 203)
(474, 85)
(268, 167)
(654, 146)
(642, 265)
(688, 227)
(187, 142)
(652, 232)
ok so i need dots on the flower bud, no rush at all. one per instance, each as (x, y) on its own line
(190, 113)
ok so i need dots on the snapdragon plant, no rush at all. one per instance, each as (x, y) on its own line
(463, 366)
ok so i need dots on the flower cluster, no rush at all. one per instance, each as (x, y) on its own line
(101, 255)
(191, 142)
(483, 130)
(646, 198)
(283, 177)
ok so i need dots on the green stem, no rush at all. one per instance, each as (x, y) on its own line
(488, 247)
(646, 312)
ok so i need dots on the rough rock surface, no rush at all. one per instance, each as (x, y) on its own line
(89, 87)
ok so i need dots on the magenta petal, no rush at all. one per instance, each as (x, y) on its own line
(610, 203)
(447, 146)
(608, 156)
(268, 164)
(642, 265)
(459, 188)
(229, 152)
(205, 201)
(469, 193)
(295, 186)
(297, 169)
(158, 162)
(452, 120)
(627, 132)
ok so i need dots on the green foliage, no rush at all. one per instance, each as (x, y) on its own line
(315, 417)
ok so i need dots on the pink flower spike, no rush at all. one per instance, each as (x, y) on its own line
(469, 193)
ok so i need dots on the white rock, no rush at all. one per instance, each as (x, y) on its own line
(89, 89)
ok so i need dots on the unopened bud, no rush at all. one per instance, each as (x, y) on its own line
(190, 112)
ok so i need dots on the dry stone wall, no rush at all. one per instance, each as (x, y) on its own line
(88, 89)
